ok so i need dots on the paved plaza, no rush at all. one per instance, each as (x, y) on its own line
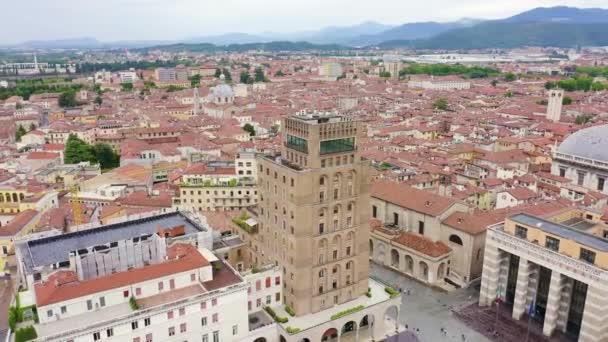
(425, 310)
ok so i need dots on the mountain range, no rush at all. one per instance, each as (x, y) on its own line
(552, 26)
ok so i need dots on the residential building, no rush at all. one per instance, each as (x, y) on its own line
(215, 186)
(150, 279)
(439, 83)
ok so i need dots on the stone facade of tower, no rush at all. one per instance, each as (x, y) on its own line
(314, 212)
(554, 106)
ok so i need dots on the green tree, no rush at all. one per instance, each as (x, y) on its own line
(566, 100)
(583, 119)
(20, 132)
(149, 85)
(245, 78)
(279, 74)
(385, 74)
(597, 86)
(218, 73)
(76, 151)
(259, 75)
(550, 85)
(510, 77)
(509, 93)
(494, 83)
(68, 99)
(126, 86)
(227, 75)
(105, 155)
(98, 100)
(249, 128)
(195, 80)
(173, 88)
(274, 129)
(441, 104)
(32, 126)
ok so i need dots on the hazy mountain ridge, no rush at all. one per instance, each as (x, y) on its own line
(553, 26)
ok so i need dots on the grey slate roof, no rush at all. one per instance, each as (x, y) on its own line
(560, 230)
(589, 143)
(55, 249)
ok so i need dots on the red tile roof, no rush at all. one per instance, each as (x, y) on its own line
(407, 197)
(64, 285)
(422, 244)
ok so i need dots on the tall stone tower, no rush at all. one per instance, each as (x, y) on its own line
(314, 212)
(554, 106)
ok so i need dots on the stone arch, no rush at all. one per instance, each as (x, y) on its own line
(371, 248)
(351, 178)
(260, 339)
(366, 327)
(349, 328)
(456, 239)
(337, 186)
(381, 252)
(322, 251)
(441, 271)
(409, 264)
(423, 271)
(336, 247)
(21, 196)
(391, 316)
(282, 339)
(349, 245)
(305, 339)
(349, 276)
(337, 217)
(336, 276)
(395, 258)
(320, 282)
(330, 334)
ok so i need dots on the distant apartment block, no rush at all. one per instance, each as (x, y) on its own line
(438, 83)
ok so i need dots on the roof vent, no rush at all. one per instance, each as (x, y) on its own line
(428, 203)
(459, 220)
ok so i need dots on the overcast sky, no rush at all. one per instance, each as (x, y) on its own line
(111, 20)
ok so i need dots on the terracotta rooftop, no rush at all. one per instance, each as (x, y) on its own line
(422, 244)
(407, 197)
(64, 285)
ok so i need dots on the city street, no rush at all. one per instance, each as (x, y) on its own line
(425, 311)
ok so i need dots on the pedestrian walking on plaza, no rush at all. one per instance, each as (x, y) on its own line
(463, 338)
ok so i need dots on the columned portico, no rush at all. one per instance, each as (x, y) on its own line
(555, 297)
(525, 284)
(495, 265)
(570, 295)
(593, 326)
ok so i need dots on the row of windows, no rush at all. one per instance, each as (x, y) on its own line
(343, 160)
(268, 283)
(258, 302)
(580, 178)
(553, 244)
(171, 330)
(215, 192)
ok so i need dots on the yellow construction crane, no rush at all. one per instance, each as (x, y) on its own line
(76, 208)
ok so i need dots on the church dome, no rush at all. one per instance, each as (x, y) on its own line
(590, 143)
(223, 90)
